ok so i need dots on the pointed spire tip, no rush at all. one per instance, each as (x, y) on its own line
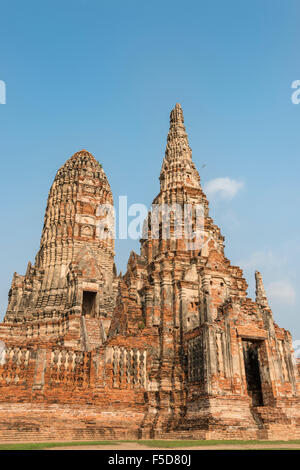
(176, 115)
(261, 297)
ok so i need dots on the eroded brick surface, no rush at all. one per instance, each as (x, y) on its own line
(174, 348)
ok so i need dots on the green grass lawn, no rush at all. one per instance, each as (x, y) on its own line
(48, 445)
(150, 443)
(194, 443)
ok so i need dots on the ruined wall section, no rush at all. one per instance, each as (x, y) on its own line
(115, 376)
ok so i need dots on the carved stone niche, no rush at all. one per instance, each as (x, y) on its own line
(191, 310)
(192, 317)
(86, 231)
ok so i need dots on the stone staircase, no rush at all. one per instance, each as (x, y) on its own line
(275, 423)
(92, 333)
(267, 415)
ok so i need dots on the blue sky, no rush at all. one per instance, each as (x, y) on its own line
(104, 76)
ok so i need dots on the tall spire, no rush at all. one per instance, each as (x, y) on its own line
(69, 244)
(261, 296)
(178, 168)
(177, 142)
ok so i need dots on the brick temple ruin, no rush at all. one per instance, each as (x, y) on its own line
(172, 349)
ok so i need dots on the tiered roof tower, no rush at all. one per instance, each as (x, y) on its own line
(74, 270)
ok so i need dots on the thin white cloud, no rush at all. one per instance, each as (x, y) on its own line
(281, 291)
(296, 347)
(263, 260)
(225, 188)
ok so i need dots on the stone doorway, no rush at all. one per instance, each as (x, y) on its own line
(252, 370)
(89, 303)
